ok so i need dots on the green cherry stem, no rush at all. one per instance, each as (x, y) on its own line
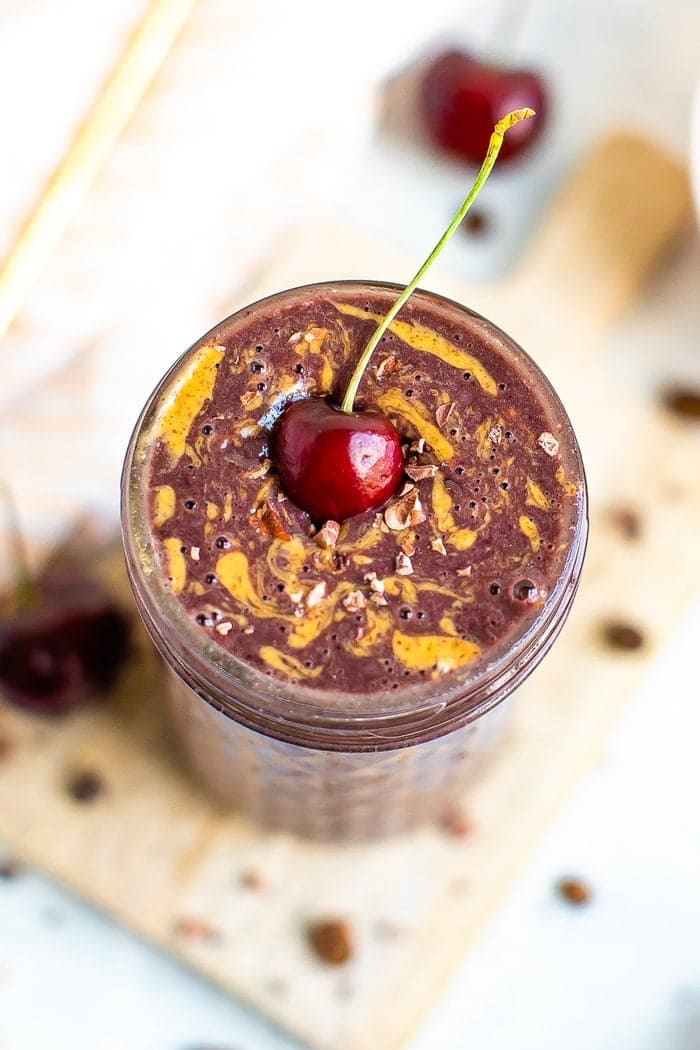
(492, 152)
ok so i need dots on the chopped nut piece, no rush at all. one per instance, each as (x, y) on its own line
(397, 516)
(249, 398)
(261, 471)
(438, 546)
(419, 473)
(404, 565)
(355, 601)
(495, 434)
(378, 599)
(407, 487)
(296, 596)
(332, 940)
(294, 338)
(327, 535)
(548, 443)
(623, 636)
(249, 629)
(224, 628)
(407, 546)
(417, 446)
(316, 595)
(268, 519)
(443, 665)
(387, 366)
(374, 584)
(466, 571)
(443, 413)
(417, 513)
(574, 890)
(194, 553)
(403, 512)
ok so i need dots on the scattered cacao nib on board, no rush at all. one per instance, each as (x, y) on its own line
(574, 890)
(85, 785)
(195, 929)
(10, 869)
(456, 824)
(476, 223)
(627, 521)
(682, 401)
(624, 636)
(332, 940)
(252, 880)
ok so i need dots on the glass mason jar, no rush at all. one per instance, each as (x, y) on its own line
(321, 763)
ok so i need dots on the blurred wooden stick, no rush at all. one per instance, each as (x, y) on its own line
(70, 182)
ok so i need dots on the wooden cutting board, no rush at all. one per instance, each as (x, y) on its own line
(232, 901)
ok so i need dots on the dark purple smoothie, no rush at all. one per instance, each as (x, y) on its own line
(454, 565)
(344, 680)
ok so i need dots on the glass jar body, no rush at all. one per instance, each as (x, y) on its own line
(329, 795)
(319, 762)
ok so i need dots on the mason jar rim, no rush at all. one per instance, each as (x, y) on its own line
(301, 714)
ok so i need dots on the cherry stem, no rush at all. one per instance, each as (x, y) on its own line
(25, 590)
(492, 152)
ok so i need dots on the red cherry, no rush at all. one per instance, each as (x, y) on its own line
(462, 99)
(68, 643)
(336, 464)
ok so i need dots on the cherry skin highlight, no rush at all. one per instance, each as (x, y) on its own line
(336, 464)
(462, 98)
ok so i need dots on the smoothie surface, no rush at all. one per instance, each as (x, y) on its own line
(445, 575)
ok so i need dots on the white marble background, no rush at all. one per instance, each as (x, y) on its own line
(623, 974)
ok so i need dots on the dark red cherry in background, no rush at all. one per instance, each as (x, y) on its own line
(65, 643)
(462, 98)
(336, 464)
